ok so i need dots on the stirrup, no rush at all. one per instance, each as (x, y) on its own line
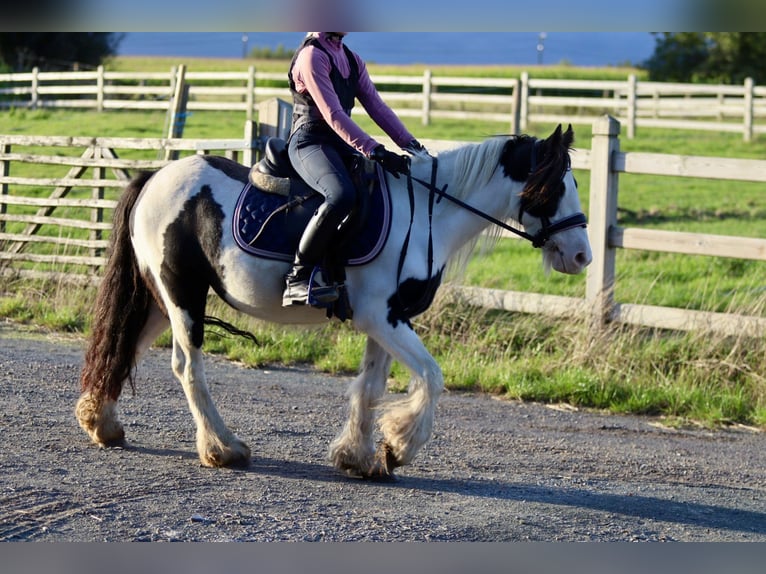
(310, 292)
(321, 295)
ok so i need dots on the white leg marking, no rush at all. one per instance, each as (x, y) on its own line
(353, 450)
(406, 424)
(216, 444)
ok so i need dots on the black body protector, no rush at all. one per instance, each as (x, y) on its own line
(304, 108)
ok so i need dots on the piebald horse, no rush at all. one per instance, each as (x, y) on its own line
(172, 241)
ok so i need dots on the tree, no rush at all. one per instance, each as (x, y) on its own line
(735, 56)
(724, 57)
(22, 51)
(677, 56)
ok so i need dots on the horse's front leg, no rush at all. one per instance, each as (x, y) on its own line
(406, 424)
(353, 450)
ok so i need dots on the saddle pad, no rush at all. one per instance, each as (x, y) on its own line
(278, 237)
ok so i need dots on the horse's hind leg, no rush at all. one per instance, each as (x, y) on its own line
(353, 450)
(216, 444)
(96, 414)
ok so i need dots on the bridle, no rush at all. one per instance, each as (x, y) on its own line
(547, 230)
(538, 240)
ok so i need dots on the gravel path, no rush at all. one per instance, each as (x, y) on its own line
(494, 471)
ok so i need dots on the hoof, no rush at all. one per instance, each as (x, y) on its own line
(375, 466)
(235, 455)
(99, 420)
(384, 464)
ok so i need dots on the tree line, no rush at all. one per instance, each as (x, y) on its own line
(709, 57)
(56, 51)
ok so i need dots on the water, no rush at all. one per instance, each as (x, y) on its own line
(469, 48)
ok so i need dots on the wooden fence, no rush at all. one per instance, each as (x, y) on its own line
(64, 231)
(60, 234)
(605, 162)
(516, 102)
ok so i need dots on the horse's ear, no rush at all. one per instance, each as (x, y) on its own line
(554, 140)
(569, 136)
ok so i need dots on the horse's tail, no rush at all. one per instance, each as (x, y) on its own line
(121, 308)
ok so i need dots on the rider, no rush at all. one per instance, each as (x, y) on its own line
(325, 76)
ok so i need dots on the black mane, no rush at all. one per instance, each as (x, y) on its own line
(542, 165)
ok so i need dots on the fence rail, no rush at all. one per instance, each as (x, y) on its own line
(73, 237)
(58, 230)
(517, 102)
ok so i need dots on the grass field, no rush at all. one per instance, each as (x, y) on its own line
(683, 376)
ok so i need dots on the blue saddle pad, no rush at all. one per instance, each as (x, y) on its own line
(263, 227)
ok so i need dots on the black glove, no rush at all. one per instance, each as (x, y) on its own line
(415, 148)
(391, 162)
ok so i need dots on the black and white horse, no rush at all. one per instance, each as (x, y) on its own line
(173, 240)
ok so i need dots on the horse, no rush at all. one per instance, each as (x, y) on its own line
(172, 241)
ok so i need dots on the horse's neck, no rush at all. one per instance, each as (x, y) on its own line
(456, 225)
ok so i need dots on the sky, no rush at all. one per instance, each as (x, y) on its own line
(360, 15)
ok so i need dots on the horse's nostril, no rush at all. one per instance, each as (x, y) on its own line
(582, 259)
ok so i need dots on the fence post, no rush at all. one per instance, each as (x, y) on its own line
(516, 109)
(5, 170)
(35, 88)
(100, 88)
(632, 105)
(249, 154)
(524, 96)
(599, 287)
(748, 115)
(426, 97)
(250, 99)
(274, 119)
(97, 213)
(177, 110)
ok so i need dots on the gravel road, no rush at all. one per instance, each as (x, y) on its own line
(495, 470)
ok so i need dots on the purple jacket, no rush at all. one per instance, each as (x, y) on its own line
(311, 75)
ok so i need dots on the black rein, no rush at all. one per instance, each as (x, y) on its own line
(538, 239)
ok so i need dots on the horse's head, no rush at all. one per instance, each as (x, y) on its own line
(549, 205)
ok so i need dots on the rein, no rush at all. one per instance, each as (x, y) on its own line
(538, 239)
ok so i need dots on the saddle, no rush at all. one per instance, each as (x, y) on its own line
(275, 206)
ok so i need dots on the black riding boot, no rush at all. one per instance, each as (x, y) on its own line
(313, 246)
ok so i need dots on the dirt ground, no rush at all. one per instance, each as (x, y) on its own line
(495, 470)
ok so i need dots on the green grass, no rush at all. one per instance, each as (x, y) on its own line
(561, 71)
(680, 376)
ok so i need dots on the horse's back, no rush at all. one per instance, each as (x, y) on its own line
(195, 186)
(191, 175)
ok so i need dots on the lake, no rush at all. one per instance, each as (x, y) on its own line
(467, 48)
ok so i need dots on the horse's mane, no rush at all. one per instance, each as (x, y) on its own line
(543, 183)
(473, 166)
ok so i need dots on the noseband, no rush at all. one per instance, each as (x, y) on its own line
(537, 240)
(549, 229)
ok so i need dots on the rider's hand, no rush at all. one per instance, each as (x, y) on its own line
(415, 148)
(391, 162)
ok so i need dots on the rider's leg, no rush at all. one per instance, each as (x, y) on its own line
(319, 161)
